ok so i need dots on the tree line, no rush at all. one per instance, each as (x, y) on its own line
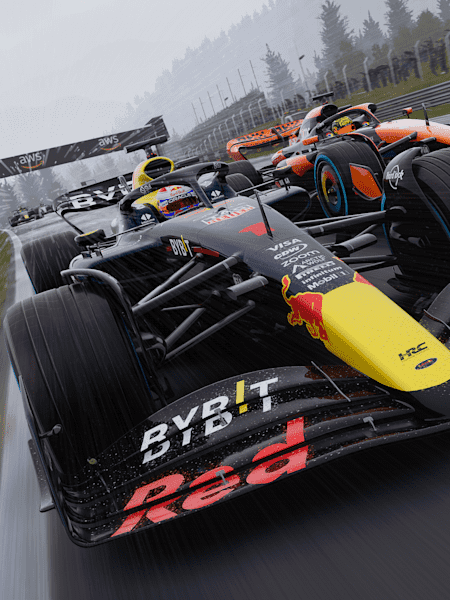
(271, 40)
(341, 46)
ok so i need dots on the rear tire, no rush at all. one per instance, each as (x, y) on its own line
(333, 179)
(244, 167)
(79, 370)
(45, 258)
(239, 182)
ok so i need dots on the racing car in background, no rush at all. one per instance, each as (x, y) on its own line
(341, 153)
(45, 208)
(321, 149)
(212, 353)
(24, 215)
(286, 132)
(327, 121)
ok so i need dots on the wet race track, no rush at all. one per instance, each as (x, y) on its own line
(372, 525)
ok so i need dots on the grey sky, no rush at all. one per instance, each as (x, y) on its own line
(68, 68)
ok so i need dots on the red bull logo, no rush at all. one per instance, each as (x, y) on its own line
(305, 308)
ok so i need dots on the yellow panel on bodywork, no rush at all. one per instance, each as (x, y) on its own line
(371, 333)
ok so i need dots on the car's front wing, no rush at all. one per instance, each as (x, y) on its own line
(228, 438)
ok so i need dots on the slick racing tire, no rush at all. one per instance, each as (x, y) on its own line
(239, 183)
(333, 179)
(422, 243)
(45, 258)
(79, 369)
(244, 167)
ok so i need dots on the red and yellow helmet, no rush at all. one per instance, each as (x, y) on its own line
(175, 199)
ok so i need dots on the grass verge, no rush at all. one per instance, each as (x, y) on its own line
(6, 255)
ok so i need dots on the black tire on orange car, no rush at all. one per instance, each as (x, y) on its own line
(79, 369)
(333, 179)
(46, 257)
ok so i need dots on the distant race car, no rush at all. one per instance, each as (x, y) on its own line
(195, 357)
(24, 215)
(45, 208)
(262, 139)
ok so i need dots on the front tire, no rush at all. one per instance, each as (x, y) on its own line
(333, 178)
(422, 241)
(79, 369)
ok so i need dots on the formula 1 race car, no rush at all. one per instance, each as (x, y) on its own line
(327, 121)
(322, 144)
(241, 176)
(45, 208)
(194, 358)
(319, 153)
(46, 256)
(24, 215)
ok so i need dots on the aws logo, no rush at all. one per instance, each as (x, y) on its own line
(110, 142)
(31, 161)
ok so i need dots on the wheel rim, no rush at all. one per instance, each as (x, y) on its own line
(331, 191)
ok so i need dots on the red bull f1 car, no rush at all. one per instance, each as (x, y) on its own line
(25, 215)
(184, 361)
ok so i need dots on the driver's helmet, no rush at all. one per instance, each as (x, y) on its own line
(342, 125)
(175, 199)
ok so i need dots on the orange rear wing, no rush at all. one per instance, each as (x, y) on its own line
(261, 139)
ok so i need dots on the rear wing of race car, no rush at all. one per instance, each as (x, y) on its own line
(262, 139)
(95, 195)
(146, 145)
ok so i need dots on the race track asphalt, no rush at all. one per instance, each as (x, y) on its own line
(374, 525)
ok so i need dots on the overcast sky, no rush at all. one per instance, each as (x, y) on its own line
(69, 67)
